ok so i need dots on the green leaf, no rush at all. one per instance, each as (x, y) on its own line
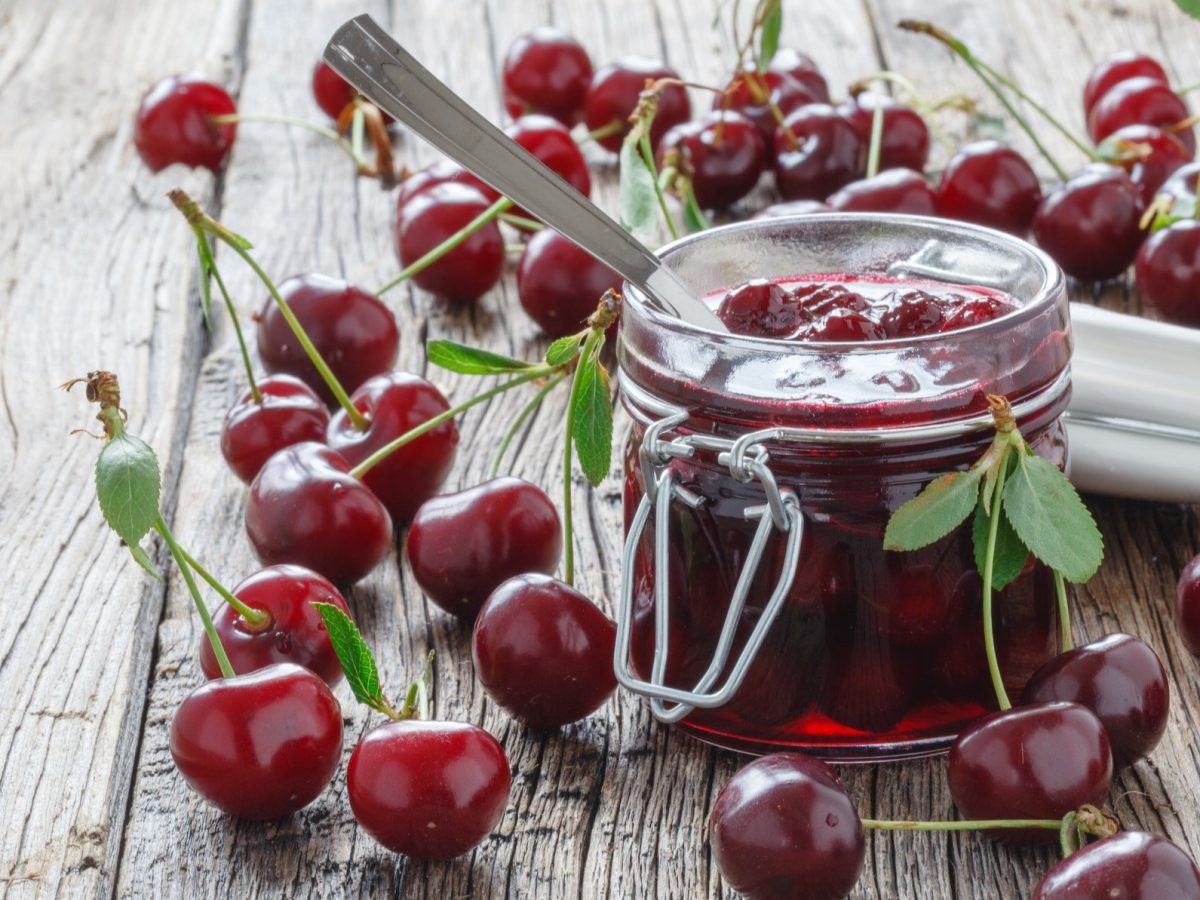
(563, 350)
(1010, 554)
(942, 506)
(206, 267)
(637, 200)
(768, 35)
(1192, 8)
(1050, 518)
(354, 655)
(471, 360)
(127, 485)
(592, 420)
(140, 557)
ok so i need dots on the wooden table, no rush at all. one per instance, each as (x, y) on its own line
(97, 270)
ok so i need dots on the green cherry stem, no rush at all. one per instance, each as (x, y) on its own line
(647, 153)
(237, 325)
(960, 825)
(591, 346)
(323, 131)
(1064, 613)
(989, 560)
(514, 429)
(256, 619)
(875, 148)
(616, 126)
(1058, 126)
(522, 222)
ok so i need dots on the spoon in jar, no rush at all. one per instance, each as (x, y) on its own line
(388, 75)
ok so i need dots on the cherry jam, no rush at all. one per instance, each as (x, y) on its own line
(874, 654)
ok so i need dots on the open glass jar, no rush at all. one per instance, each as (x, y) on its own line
(759, 609)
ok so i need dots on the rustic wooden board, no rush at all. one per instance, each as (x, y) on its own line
(94, 657)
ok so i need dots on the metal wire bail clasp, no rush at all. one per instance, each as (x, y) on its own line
(781, 512)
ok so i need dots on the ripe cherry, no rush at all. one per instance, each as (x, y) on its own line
(905, 139)
(803, 68)
(791, 208)
(757, 97)
(762, 308)
(1147, 153)
(989, 184)
(1034, 762)
(1092, 224)
(826, 154)
(462, 546)
(784, 827)
(331, 91)
(294, 633)
(429, 790)
(1129, 865)
(1187, 606)
(1168, 273)
(914, 609)
(431, 217)
(394, 404)
(614, 92)
(174, 124)
(544, 651)
(546, 71)
(351, 329)
(868, 685)
(1140, 101)
(551, 142)
(559, 284)
(896, 190)
(305, 508)
(1118, 67)
(1180, 190)
(440, 172)
(723, 153)
(1121, 680)
(290, 412)
(261, 745)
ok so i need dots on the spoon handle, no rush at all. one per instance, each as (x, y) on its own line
(384, 72)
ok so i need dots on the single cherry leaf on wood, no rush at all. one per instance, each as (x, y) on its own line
(1010, 554)
(563, 350)
(1191, 7)
(353, 653)
(471, 360)
(637, 200)
(127, 486)
(942, 506)
(1051, 520)
(592, 420)
(768, 35)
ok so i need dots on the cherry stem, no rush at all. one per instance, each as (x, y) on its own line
(428, 425)
(989, 560)
(416, 698)
(591, 347)
(875, 149)
(923, 107)
(616, 126)
(1187, 89)
(223, 663)
(256, 619)
(359, 161)
(522, 222)
(237, 325)
(962, 825)
(200, 220)
(459, 237)
(525, 413)
(1064, 613)
(647, 153)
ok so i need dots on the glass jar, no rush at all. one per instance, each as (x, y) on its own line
(759, 609)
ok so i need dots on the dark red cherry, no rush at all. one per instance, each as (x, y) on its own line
(433, 216)
(1033, 762)
(290, 412)
(1168, 273)
(546, 71)
(1140, 101)
(544, 651)
(762, 308)
(560, 285)
(551, 142)
(1147, 153)
(723, 153)
(989, 184)
(1092, 224)
(394, 404)
(1180, 190)
(1129, 865)
(354, 332)
(614, 92)
(757, 97)
(802, 67)
(911, 313)
(827, 153)
(844, 325)
(1119, 678)
(791, 208)
(1187, 606)
(868, 685)
(305, 508)
(784, 827)
(440, 172)
(294, 633)
(905, 140)
(913, 608)
(974, 311)
(463, 546)
(1118, 67)
(429, 790)
(896, 190)
(331, 91)
(174, 124)
(261, 745)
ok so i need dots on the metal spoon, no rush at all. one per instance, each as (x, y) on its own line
(388, 75)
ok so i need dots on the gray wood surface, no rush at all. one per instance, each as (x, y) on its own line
(96, 270)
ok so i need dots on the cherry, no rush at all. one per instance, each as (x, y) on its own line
(261, 745)
(1121, 680)
(905, 139)
(174, 124)
(763, 308)
(1187, 606)
(440, 172)
(614, 92)
(843, 325)
(723, 153)
(544, 651)
(295, 632)
(1034, 762)
(1180, 190)
(394, 404)
(551, 142)
(559, 284)
(1092, 224)
(429, 790)
(463, 546)
(1168, 272)
(433, 216)
(911, 313)
(1147, 153)
(989, 184)
(802, 67)
(914, 610)
(791, 208)
(351, 329)
(290, 412)
(1118, 67)
(546, 71)
(305, 508)
(896, 190)
(757, 97)
(1130, 865)
(1140, 101)
(784, 827)
(973, 312)
(828, 153)
(331, 91)
(868, 686)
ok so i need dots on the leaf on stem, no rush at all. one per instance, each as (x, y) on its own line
(127, 485)
(1010, 553)
(942, 506)
(1051, 520)
(768, 34)
(471, 360)
(1191, 7)
(204, 251)
(592, 423)
(563, 350)
(637, 200)
(355, 656)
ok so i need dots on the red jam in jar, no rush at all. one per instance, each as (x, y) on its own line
(810, 437)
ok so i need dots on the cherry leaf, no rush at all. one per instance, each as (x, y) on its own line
(592, 419)
(563, 350)
(1010, 553)
(768, 35)
(471, 360)
(637, 199)
(1051, 520)
(204, 251)
(353, 653)
(142, 559)
(127, 486)
(1192, 8)
(942, 506)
